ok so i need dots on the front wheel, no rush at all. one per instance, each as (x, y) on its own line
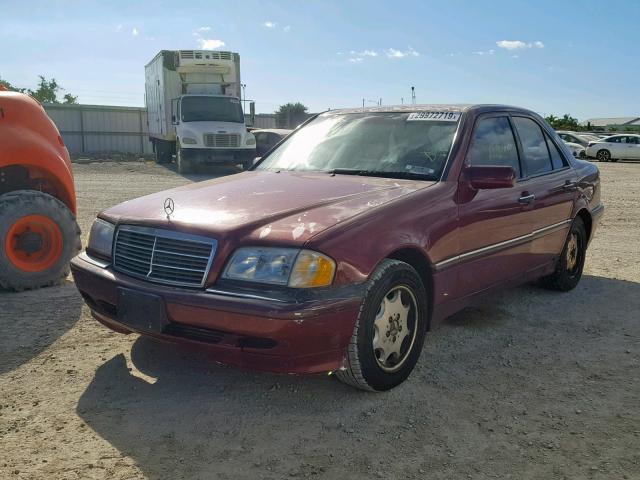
(390, 330)
(184, 165)
(38, 237)
(571, 262)
(603, 155)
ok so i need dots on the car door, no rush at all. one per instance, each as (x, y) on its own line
(615, 146)
(493, 224)
(630, 147)
(550, 185)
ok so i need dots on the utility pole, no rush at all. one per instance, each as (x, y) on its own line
(413, 95)
(401, 100)
(244, 96)
(380, 102)
(363, 103)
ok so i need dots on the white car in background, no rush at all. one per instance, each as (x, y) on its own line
(578, 150)
(575, 137)
(615, 147)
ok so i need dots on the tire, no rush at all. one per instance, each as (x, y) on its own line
(603, 155)
(247, 164)
(38, 237)
(162, 152)
(367, 367)
(571, 262)
(614, 160)
(184, 166)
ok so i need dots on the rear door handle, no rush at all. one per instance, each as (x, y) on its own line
(568, 185)
(526, 199)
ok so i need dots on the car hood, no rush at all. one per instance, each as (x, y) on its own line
(268, 206)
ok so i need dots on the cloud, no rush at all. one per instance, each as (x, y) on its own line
(393, 53)
(203, 29)
(210, 43)
(269, 24)
(486, 52)
(356, 60)
(134, 32)
(369, 53)
(119, 27)
(286, 28)
(518, 44)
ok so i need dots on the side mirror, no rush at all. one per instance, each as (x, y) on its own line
(173, 120)
(490, 177)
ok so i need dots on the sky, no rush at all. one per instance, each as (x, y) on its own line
(554, 57)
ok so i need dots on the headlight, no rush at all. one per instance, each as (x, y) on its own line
(101, 238)
(251, 140)
(281, 266)
(188, 141)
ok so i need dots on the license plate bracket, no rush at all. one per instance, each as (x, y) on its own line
(140, 310)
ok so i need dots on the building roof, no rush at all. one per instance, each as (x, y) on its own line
(605, 122)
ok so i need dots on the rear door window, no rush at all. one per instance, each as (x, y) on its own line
(557, 160)
(534, 146)
(493, 143)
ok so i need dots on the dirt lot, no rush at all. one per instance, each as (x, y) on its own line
(529, 384)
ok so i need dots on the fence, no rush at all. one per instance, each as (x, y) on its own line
(98, 129)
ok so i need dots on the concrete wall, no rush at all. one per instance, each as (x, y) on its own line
(102, 129)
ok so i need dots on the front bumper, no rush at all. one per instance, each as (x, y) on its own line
(249, 331)
(218, 155)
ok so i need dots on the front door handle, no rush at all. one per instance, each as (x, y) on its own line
(526, 199)
(569, 185)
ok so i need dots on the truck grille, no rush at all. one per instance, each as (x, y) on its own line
(222, 140)
(163, 256)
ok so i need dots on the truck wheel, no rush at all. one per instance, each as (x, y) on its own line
(38, 237)
(390, 330)
(571, 262)
(184, 165)
(162, 151)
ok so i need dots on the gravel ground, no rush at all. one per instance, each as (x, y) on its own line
(528, 384)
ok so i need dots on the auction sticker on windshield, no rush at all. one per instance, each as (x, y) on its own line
(434, 116)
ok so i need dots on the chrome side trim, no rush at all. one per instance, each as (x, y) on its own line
(242, 295)
(489, 249)
(598, 210)
(93, 260)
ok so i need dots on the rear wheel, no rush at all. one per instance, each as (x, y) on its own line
(603, 155)
(389, 333)
(571, 262)
(162, 151)
(38, 237)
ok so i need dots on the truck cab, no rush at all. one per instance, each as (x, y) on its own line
(194, 109)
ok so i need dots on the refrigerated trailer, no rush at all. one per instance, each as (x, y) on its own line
(194, 110)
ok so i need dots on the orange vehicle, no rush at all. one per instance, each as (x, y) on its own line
(38, 229)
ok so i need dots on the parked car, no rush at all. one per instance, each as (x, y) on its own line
(345, 244)
(576, 149)
(614, 148)
(574, 137)
(267, 138)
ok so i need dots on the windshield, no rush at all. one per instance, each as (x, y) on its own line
(211, 109)
(387, 144)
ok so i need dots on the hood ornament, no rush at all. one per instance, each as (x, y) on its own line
(169, 207)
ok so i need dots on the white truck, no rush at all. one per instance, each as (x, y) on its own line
(194, 110)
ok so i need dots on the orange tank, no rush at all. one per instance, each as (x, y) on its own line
(38, 229)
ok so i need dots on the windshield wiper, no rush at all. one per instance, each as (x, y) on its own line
(380, 173)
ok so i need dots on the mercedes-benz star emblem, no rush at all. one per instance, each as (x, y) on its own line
(169, 206)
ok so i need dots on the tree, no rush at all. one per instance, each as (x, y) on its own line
(567, 122)
(47, 91)
(290, 115)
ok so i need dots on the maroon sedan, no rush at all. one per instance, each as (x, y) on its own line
(343, 246)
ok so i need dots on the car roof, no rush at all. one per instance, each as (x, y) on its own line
(280, 131)
(448, 107)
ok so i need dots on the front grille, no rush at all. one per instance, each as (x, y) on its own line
(163, 256)
(222, 140)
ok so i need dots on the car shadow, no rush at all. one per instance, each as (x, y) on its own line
(179, 415)
(31, 321)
